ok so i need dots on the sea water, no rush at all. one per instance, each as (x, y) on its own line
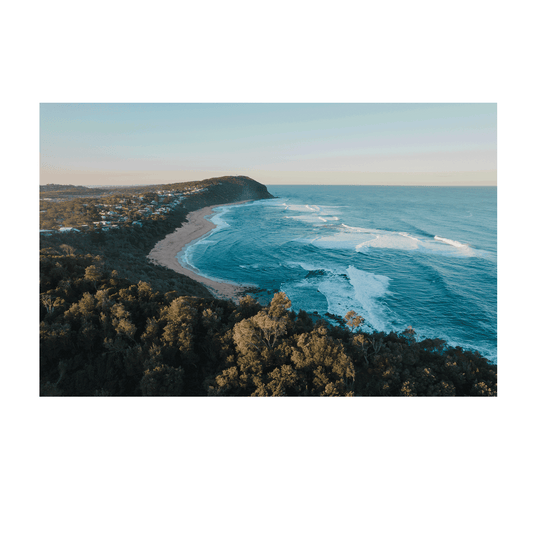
(398, 256)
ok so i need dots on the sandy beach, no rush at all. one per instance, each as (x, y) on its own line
(165, 252)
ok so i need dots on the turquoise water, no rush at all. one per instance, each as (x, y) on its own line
(399, 256)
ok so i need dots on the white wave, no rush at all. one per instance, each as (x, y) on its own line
(368, 289)
(184, 258)
(357, 229)
(338, 294)
(360, 241)
(219, 225)
(358, 290)
(350, 227)
(298, 207)
(457, 244)
(316, 210)
(363, 247)
(404, 234)
(344, 290)
(275, 202)
(396, 241)
(366, 239)
(217, 218)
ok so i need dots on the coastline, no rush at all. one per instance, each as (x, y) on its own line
(165, 251)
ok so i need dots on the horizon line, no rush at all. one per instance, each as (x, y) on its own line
(276, 184)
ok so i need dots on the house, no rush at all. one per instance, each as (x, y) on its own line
(69, 229)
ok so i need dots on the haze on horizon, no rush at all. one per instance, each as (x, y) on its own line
(342, 144)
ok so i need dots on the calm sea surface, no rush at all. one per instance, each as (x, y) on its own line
(398, 256)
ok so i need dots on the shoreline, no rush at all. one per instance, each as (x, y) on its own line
(196, 226)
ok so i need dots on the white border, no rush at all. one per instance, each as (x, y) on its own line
(18, 242)
(30, 96)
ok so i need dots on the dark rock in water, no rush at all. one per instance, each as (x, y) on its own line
(256, 290)
(315, 274)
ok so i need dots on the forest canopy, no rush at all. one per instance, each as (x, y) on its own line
(103, 335)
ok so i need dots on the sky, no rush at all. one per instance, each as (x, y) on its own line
(336, 143)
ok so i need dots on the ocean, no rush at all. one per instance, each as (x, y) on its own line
(423, 257)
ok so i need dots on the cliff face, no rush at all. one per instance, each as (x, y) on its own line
(226, 190)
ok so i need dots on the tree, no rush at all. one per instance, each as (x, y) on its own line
(162, 380)
(181, 317)
(323, 364)
(93, 273)
(264, 329)
(353, 320)
(69, 250)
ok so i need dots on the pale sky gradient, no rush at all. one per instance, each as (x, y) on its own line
(369, 144)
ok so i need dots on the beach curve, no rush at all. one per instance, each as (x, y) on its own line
(196, 226)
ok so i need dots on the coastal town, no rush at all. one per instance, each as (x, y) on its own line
(79, 209)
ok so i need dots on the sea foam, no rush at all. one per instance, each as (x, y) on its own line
(367, 239)
(330, 258)
(344, 290)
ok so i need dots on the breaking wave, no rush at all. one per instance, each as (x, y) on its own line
(411, 258)
(452, 243)
(344, 289)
